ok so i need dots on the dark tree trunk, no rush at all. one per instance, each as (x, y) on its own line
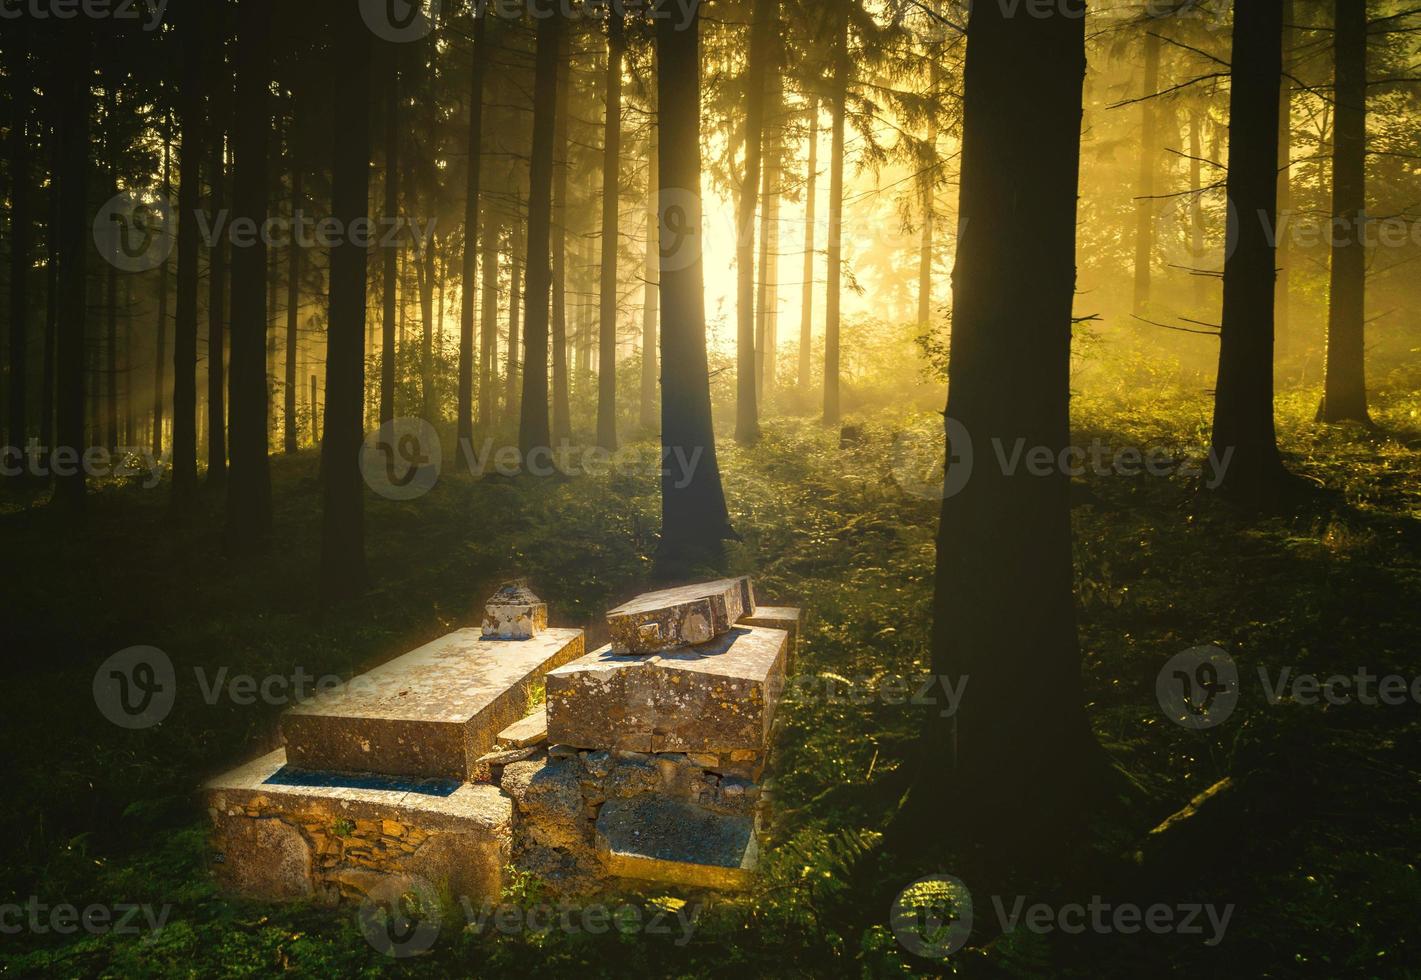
(471, 236)
(488, 327)
(515, 307)
(611, 239)
(194, 41)
(1345, 395)
(21, 232)
(216, 321)
(534, 430)
(1243, 402)
(694, 518)
(160, 360)
(1196, 204)
(562, 411)
(806, 314)
(651, 295)
(747, 408)
(1145, 203)
(53, 234)
(929, 192)
(291, 431)
(767, 302)
(1283, 313)
(72, 236)
(836, 227)
(389, 314)
(248, 528)
(1004, 614)
(342, 491)
(111, 286)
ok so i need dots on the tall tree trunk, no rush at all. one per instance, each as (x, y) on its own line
(248, 528)
(1283, 312)
(694, 518)
(425, 266)
(72, 237)
(130, 433)
(21, 232)
(1243, 401)
(471, 235)
(216, 320)
(562, 412)
(611, 238)
(1004, 613)
(160, 360)
(929, 194)
(111, 296)
(342, 494)
(291, 431)
(772, 168)
(1196, 204)
(1345, 395)
(393, 102)
(806, 309)
(651, 293)
(1145, 203)
(194, 42)
(836, 227)
(515, 308)
(53, 235)
(534, 430)
(747, 408)
(488, 328)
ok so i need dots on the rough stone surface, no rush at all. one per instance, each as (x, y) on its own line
(515, 613)
(785, 618)
(656, 838)
(431, 712)
(532, 730)
(679, 617)
(283, 842)
(719, 697)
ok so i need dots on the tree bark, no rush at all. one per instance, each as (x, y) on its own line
(747, 409)
(836, 227)
(1196, 205)
(806, 313)
(1345, 390)
(1283, 313)
(651, 293)
(1243, 401)
(216, 320)
(471, 235)
(292, 432)
(160, 359)
(695, 520)
(488, 342)
(248, 528)
(1145, 204)
(515, 305)
(611, 238)
(21, 233)
(929, 192)
(562, 411)
(393, 102)
(534, 430)
(1004, 613)
(194, 40)
(72, 237)
(342, 493)
(767, 300)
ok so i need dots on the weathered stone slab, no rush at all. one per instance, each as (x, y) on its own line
(719, 697)
(785, 618)
(515, 613)
(655, 838)
(278, 841)
(431, 712)
(679, 617)
(532, 730)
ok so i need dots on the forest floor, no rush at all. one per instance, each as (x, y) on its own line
(1328, 888)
